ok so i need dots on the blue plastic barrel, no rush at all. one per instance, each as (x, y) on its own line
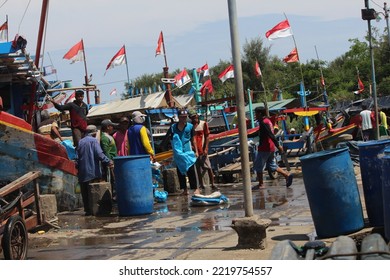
(332, 192)
(386, 191)
(370, 154)
(133, 183)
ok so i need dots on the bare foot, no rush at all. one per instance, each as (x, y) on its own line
(197, 191)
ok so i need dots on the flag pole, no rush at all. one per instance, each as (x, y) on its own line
(127, 68)
(86, 72)
(6, 20)
(325, 95)
(295, 45)
(302, 85)
(168, 94)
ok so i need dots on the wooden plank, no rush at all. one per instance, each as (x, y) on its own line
(20, 182)
(31, 222)
(232, 168)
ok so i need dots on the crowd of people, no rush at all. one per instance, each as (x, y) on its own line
(188, 134)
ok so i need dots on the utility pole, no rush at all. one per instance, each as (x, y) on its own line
(370, 14)
(387, 21)
(239, 87)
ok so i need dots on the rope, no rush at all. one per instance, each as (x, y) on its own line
(3, 4)
(23, 15)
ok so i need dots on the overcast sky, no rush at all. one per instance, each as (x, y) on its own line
(195, 32)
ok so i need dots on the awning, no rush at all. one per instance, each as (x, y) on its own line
(277, 105)
(140, 103)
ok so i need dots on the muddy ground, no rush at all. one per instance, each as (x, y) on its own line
(176, 230)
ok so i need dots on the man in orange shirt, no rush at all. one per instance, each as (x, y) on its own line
(203, 164)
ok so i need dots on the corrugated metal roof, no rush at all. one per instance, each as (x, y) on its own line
(277, 105)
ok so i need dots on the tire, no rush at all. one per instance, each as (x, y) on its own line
(15, 239)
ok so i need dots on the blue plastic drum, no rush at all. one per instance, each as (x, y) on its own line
(134, 186)
(370, 159)
(332, 192)
(386, 191)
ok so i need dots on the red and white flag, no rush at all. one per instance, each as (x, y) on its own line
(257, 69)
(160, 42)
(227, 73)
(205, 69)
(292, 56)
(118, 59)
(182, 78)
(4, 32)
(322, 81)
(76, 53)
(206, 87)
(113, 91)
(71, 98)
(360, 87)
(282, 29)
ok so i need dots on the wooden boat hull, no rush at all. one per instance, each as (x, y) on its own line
(327, 136)
(226, 136)
(22, 150)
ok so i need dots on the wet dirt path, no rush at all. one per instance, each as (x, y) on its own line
(177, 230)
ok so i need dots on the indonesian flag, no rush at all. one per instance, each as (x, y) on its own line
(205, 69)
(113, 91)
(182, 78)
(71, 98)
(280, 30)
(207, 86)
(4, 32)
(76, 53)
(257, 69)
(227, 73)
(118, 59)
(48, 70)
(292, 56)
(322, 81)
(159, 49)
(360, 87)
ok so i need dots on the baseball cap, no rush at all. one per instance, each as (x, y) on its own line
(138, 117)
(91, 129)
(108, 122)
(137, 114)
(182, 112)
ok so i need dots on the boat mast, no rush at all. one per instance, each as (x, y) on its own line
(168, 94)
(45, 4)
(324, 93)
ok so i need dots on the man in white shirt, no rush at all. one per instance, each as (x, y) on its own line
(366, 123)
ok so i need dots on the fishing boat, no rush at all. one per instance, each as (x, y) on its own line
(328, 137)
(22, 150)
(22, 93)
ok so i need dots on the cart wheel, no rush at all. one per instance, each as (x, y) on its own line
(272, 174)
(15, 239)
